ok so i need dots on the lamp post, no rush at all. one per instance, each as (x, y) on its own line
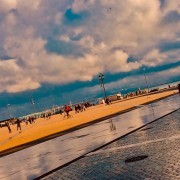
(146, 80)
(148, 91)
(33, 106)
(8, 108)
(101, 79)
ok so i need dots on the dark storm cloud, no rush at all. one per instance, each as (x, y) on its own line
(46, 37)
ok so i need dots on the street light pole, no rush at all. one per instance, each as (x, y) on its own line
(146, 80)
(101, 79)
(10, 116)
(33, 106)
(148, 92)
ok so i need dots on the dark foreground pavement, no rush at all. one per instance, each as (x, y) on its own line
(152, 152)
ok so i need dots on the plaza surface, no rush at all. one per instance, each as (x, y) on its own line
(39, 159)
(56, 124)
(151, 153)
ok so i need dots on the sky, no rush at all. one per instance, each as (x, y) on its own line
(54, 50)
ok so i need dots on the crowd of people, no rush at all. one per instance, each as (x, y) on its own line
(79, 108)
(17, 122)
(46, 115)
(13, 121)
(66, 110)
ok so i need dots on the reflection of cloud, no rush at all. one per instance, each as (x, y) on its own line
(88, 37)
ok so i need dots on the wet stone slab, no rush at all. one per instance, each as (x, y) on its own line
(39, 159)
(164, 127)
(159, 141)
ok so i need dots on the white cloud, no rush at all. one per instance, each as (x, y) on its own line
(153, 58)
(6, 5)
(171, 6)
(81, 5)
(107, 37)
(14, 78)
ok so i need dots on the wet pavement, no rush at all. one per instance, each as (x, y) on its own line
(44, 157)
(150, 153)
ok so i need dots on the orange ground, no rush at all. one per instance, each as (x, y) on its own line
(44, 127)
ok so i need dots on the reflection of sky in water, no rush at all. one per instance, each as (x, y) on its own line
(37, 160)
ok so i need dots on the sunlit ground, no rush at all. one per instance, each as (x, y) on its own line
(46, 127)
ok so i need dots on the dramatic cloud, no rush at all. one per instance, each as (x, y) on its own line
(63, 41)
(134, 82)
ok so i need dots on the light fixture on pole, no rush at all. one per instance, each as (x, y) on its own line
(101, 79)
(8, 108)
(32, 102)
(146, 79)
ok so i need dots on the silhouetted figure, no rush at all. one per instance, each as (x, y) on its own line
(32, 119)
(29, 119)
(178, 88)
(18, 124)
(79, 107)
(107, 101)
(67, 110)
(60, 111)
(83, 108)
(8, 126)
(76, 109)
(26, 121)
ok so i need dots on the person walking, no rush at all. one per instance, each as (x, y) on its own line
(32, 119)
(76, 109)
(18, 124)
(67, 109)
(178, 88)
(107, 101)
(8, 126)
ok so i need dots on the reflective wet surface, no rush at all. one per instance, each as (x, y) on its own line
(42, 158)
(151, 154)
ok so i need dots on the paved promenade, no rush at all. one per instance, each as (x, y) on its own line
(151, 152)
(45, 129)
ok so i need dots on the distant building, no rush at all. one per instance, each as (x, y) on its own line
(115, 97)
(119, 96)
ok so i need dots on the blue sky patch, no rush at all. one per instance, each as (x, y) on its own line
(64, 48)
(72, 18)
(169, 46)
